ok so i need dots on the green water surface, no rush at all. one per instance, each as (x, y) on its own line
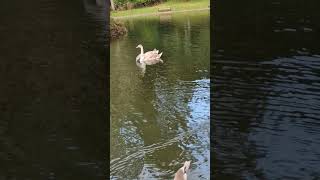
(161, 119)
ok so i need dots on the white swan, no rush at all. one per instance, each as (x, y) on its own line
(148, 58)
(181, 174)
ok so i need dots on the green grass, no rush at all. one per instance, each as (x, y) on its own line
(175, 5)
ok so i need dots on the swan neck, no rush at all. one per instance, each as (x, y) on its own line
(141, 48)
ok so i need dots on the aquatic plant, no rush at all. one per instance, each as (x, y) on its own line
(117, 29)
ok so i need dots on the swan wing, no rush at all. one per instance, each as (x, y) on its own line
(152, 57)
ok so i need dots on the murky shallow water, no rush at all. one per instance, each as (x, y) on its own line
(161, 119)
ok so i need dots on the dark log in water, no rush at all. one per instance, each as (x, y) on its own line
(164, 9)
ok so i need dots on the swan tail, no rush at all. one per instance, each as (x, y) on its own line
(160, 55)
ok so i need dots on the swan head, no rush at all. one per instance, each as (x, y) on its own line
(139, 46)
(181, 174)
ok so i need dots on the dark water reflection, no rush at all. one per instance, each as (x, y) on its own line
(266, 91)
(52, 94)
(161, 119)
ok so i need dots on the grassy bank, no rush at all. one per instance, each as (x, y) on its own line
(175, 5)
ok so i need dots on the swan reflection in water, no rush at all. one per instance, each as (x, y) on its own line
(148, 58)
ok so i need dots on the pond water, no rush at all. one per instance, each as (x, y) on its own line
(53, 117)
(161, 119)
(266, 91)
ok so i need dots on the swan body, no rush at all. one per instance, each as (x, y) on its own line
(181, 174)
(148, 58)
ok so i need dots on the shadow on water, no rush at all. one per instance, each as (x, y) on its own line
(53, 110)
(265, 92)
(161, 119)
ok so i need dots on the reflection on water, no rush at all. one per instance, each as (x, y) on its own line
(266, 99)
(52, 102)
(161, 119)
